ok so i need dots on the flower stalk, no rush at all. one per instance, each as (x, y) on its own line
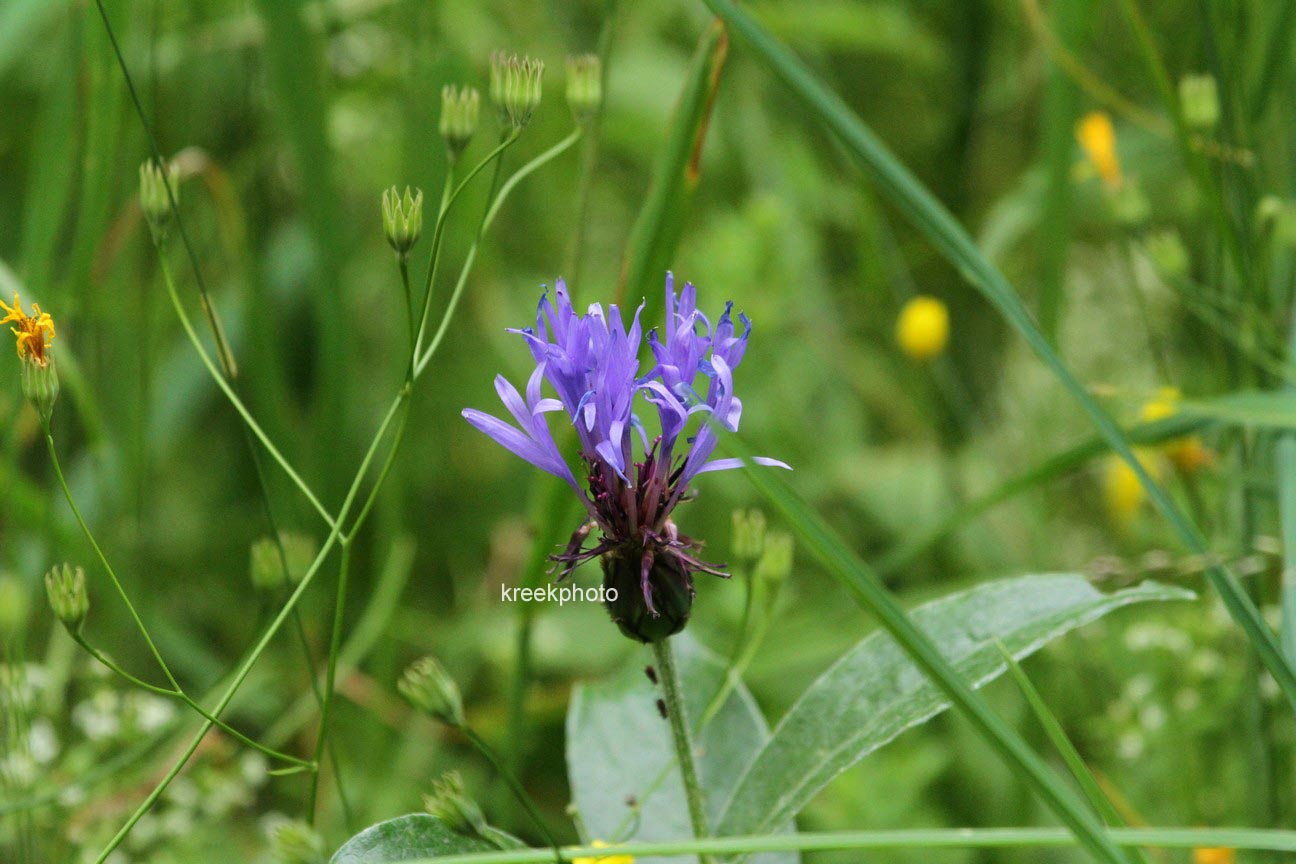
(673, 695)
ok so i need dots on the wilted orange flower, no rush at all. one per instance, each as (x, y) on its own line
(34, 332)
(1097, 138)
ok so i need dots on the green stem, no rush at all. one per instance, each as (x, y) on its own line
(929, 838)
(516, 787)
(330, 677)
(672, 691)
(103, 559)
(191, 702)
(491, 212)
(233, 397)
(246, 668)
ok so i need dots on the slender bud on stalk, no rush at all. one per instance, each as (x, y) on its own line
(515, 87)
(775, 563)
(1199, 101)
(40, 384)
(429, 688)
(402, 219)
(451, 804)
(459, 109)
(584, 86)
(748, 535)
(154, 201)
(65, 586)
(296, 843)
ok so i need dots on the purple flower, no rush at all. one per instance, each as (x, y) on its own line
(632, 483)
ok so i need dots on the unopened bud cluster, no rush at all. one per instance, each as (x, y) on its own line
(154, 200)
(66, 588)
(775, 564)
(459, 109)
(402, 219)
(428, 687)
(584, 86)
(450, 803)
(515, 87)
(748, 535)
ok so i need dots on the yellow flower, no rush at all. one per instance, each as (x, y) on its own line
(1188, 454)
(604, 859)
(1204, 855)
(923, 328)
(34, 332)
(1097, 138)
(1122, 491)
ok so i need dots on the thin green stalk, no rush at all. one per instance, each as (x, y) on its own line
(1098, 799)
(1258, 839)
(184, 697)
(439, 230)
(246, 668)
(218, 333)
(673, 695)
(515, 785)
(103, 559)
(491, 212)
(233, 397)
(330, 676)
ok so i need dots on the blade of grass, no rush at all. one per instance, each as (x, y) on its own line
(1259, 839)
(1285, 465)
(940, 227)
(1098, 799)
(657, 230)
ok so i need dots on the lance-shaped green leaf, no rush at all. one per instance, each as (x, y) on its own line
(875, 692)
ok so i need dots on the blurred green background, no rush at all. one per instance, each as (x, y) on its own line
(287, 125)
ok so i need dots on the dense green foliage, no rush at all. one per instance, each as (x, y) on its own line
(813, 198)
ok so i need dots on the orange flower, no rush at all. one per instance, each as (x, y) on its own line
(34, 332)
(1097, 138)
(1204, 855)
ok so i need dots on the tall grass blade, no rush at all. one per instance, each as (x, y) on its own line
(944, 232)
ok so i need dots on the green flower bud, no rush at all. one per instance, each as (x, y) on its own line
(154, 201)
(672, 593)
(294, 842)
(584, 86)
(65, 586)
(775, 563)
(459, 109)
(451, 804)
(1168, 253)
(515, 87)
(429, 688)
(13, 606)
(748, 535)
(402, 219)
(40, 383)
(1199, 101)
